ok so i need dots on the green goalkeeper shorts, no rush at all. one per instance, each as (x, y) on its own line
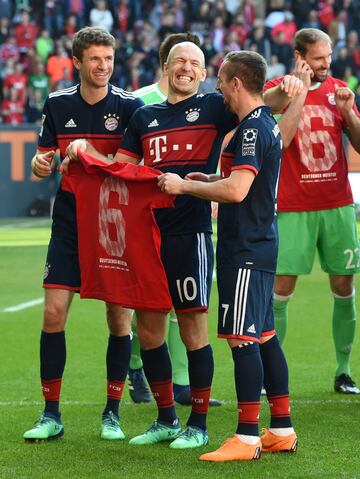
(332, 232)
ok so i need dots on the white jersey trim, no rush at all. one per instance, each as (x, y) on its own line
(67, 91)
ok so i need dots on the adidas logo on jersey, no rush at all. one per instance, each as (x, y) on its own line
(153, 123)
(70, 124)
(251, 329)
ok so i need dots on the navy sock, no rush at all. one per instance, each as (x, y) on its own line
(158, 372)
(276, 382)
(117, 365)
(249, 376)
(52, 365)
(201, 372)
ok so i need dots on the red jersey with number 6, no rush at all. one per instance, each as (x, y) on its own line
(314, 171)
(119, 240)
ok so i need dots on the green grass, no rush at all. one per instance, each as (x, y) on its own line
(327, 423)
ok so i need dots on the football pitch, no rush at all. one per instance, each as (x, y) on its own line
(327, 423)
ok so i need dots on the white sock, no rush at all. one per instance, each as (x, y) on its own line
(282, 431)
(248, 439)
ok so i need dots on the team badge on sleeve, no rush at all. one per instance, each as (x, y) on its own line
(249, 141)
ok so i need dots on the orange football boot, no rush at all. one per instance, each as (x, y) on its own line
(233, 449)
(275, 443)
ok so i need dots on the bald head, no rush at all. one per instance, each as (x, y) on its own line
(188, 49)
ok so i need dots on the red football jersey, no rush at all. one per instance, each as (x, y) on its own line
(314, 171)
(119, 240)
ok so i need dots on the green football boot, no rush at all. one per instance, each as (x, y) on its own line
(110, 427)
(159, 431)
(47, 428)
(191, 437)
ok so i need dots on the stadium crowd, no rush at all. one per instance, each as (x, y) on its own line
(35, 40)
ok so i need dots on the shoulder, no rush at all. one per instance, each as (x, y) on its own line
(61, 96)
(123, 94)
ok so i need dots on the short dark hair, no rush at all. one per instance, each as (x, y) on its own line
(173, 39)
(88, 36)
(249, 66)
(309, 36)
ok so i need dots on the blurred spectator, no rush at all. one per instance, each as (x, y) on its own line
(326, 13)
(77, 8)
(168, 25)
(218, 34)
(337, 30)
(44, 45)
(34, 106)
(354, 51)
(248, 12)
(259, 38)
(179, 10)
(39, 82)
(100, 16)
(240, 29)
(220, 11)
(275, 69)
(301, 10)
(123, 16)
(65, 82)
(339, 65)
(71, 26)
(357, 97)
(12, 109)
(209, 84)
(25, 33)
(351, 80)
(208, 48)
(16, 80)
(57, 63)
(5, 9)
(287, 27)
(282, 50)
(312, 20)
(4, 29)
(9, 50)
(200, 24)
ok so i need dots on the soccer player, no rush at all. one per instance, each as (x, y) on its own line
(184, 134)
(315, 203)
(246, 258)
(157, 93)
(100, 112)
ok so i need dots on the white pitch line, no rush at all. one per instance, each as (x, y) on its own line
(21, 306)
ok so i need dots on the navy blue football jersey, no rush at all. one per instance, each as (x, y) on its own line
(181, 138)
(247, 231)
(67, 117)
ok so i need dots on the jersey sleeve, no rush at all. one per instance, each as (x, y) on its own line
(250, 147)
(131, 143)
(47, 135)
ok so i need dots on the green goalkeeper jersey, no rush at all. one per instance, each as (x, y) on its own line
(151, 94)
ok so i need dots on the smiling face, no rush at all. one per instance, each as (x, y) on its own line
(318, 57)
(185, 69)
(96, 66)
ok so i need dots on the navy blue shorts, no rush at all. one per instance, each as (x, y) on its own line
(188, 261)
(245, 303)
(62, 270)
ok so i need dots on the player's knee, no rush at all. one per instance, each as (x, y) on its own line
(54, 317)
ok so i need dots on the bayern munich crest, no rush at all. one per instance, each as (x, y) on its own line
(192, 114)
(331, 98)
(111, 121)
